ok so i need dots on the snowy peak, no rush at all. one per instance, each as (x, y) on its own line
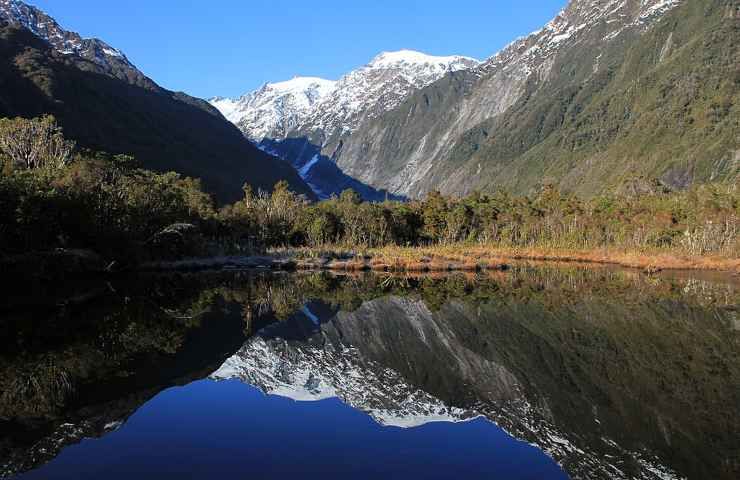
(304, 85)
(276, 108)
(579, 17)
(310, 104)
(115, 63)
(379, 87)
(411, 58)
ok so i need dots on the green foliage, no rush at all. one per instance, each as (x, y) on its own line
(98, 201)
(703, 220)
(660, 104)
(109, 204)
(116, 112)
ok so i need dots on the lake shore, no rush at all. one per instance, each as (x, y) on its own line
(435, 259)
(471, 258)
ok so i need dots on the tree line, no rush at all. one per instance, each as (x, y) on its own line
(53, 195)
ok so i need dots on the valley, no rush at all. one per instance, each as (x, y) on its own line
(379, 263)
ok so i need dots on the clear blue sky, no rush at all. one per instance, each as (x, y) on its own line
(228, 47)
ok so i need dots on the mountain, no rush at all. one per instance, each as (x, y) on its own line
(276, 109)
(306, 120)
(606, 92)
(110, 59)
(104, 103)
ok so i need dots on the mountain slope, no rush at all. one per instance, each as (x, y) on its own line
(104, 104)
(663, 104)
(605, 92)
(276, 109)
(310, 133)
(110, 59)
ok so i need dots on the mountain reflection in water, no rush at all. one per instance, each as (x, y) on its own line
(611, 374)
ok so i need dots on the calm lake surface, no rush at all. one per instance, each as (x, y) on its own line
(535, 373)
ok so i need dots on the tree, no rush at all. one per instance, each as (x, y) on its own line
(35, 143)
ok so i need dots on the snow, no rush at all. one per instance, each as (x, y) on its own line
(112, 52)
(275, 109)
(412, 57)
(300, 84)
(310, 103)
(303, 171)
(309, 373)
(65, 42)
(659, 7)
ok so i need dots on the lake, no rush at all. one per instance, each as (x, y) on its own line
(539, 372)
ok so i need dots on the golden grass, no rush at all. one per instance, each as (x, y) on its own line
(476, 258)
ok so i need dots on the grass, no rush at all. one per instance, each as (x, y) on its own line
(489, 257)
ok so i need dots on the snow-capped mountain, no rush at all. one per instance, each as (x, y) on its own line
(395, 125)
(113, 61)
(309, 114)
(276, 109)
(314, 105)
(378, 87)
(407, 150)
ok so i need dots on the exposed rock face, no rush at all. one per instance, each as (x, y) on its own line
(416, 147)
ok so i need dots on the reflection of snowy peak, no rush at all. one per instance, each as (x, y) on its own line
(307, 373)
(275, 109)
(405, 365)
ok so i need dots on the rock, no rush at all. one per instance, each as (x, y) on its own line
(177, 241)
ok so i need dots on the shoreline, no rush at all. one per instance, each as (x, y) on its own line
(436, 259)
(460, 258)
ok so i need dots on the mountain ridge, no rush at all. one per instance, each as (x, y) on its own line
(282, 125)
(546, 109)
(104, 103)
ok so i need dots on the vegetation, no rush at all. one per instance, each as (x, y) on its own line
(87, 200)
(124, 112)
(662, 104)
(52, 198)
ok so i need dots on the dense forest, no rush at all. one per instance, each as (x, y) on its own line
(55, 196)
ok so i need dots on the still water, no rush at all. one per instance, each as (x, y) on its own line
(535, 373)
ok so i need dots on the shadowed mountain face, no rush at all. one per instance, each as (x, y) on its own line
(612, 374)
(110, 106)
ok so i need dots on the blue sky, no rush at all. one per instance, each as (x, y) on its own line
(228, 47)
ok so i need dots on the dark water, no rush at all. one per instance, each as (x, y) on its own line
(536, 373)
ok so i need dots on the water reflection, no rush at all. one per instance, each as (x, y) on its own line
(612, 374)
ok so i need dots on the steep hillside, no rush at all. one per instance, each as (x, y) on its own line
(306, 121)
(665, 106)
(605, 92)
(104, 104)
